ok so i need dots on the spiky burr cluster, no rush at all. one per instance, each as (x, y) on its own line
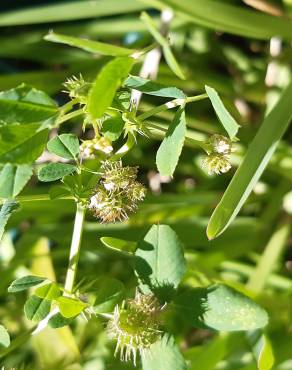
(135, 326)
(117, 194)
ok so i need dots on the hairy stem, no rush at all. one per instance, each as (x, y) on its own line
(74, 249)
(171, 104)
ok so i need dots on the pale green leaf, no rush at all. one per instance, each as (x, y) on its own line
(170, 149)
(262, 350)
(4, 337)
(49, 291)
(36, 308)
(70, 307)
(25, 283)
(119, 245)
(55, 171)
(228, 122)
(90, 45)
(255, 161)
(159, 259)
(108, 80)
(164, 354)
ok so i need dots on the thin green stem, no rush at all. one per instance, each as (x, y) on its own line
(188, 140)
(68, 106)
(74, 249)
(171, 104)
(70, 115)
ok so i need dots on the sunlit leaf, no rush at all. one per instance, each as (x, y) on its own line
(108, 80)
(36, 308)
(6, 210)
(13, 179)
(4, 337)
(25, 283)
(65, 145)
(170, 149)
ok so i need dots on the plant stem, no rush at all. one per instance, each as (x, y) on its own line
(188, 140)
(171, 104)
(74, 249)
(68, 116)
(68, 106)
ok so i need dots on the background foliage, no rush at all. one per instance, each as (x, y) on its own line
(217, 44)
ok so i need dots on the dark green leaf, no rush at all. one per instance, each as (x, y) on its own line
(159, 261)
(13, 179)
(6, 210)
(55, 171)
(25, 104)
(106, 84)
(232, 19)
(21, 144)
(228, 122)
(90, 45)
(24, 283)
(58, 321)
(36, 308)
(164, 354)
(256, 159)
(65, 145)
(4, 337)
(112, 128)
(109, 293)
(170, 149)
(153, 88)
(220, 307)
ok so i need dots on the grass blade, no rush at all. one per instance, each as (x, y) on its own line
(256, 159)
(232, 19)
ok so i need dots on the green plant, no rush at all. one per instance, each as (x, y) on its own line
(91, 169)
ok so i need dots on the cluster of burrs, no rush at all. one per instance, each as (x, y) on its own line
(219, 148)
(118, 192)
(135, 326)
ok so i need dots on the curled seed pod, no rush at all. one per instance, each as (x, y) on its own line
(117, 193)
(216, 164)
(135, 326)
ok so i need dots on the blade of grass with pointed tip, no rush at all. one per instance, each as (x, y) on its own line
(228, 122)
(66, 11)
(232, 19)
(256, 159)
(90, 45)
(169, 57)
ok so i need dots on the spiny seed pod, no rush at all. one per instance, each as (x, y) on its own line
(117, 194)
(216, 164)
(77, 88)
(135, 326)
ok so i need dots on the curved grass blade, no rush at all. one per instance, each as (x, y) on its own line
(256, 159)
(232, 19)
(90, 45)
